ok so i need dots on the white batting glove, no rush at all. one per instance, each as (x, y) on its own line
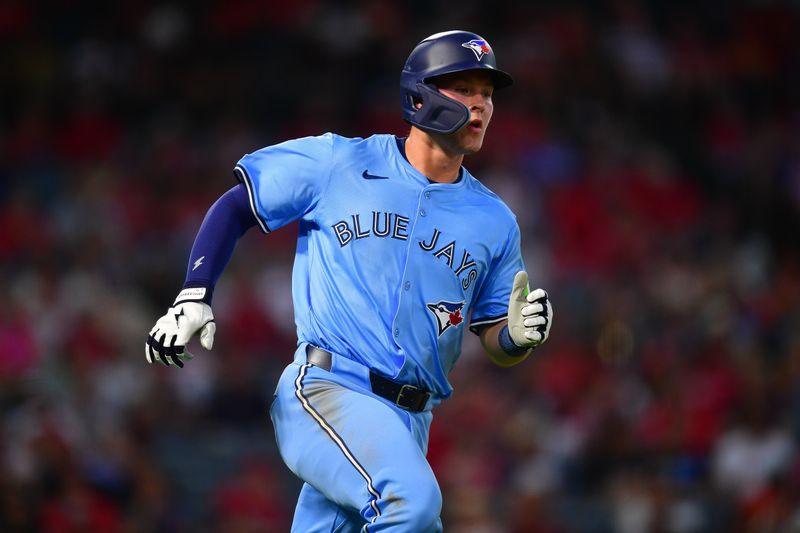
(529, 314)
(167, 341)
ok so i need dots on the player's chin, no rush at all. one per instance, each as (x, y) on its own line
(472, 141)
(473, 146)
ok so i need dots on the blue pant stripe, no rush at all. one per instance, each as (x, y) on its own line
(298, 391)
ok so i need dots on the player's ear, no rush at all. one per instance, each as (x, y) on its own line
(417, 103)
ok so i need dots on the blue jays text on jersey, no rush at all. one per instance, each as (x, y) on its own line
(396, 226)
(389, 265)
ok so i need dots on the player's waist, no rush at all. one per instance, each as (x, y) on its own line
(405, 396)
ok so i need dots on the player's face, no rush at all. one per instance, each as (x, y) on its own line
(473, 89)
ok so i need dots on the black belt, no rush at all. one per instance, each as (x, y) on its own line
(408, 397)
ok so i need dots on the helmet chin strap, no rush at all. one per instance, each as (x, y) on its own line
(438, 114)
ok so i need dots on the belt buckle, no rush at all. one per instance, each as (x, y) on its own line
(409, 406)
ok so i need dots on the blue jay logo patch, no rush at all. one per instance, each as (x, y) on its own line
(447, 314)
(479, 46)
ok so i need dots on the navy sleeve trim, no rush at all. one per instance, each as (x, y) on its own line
(243, 177)
(478, 324)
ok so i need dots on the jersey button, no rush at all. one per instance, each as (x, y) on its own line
(407, 285)
(422, 213)
(396, 332)
(428, 195)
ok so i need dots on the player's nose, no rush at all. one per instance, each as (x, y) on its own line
(479, 102)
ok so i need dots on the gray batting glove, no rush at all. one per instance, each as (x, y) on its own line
(167, 341)
(530, 314)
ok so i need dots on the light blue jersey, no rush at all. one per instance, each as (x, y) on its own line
(390, 267)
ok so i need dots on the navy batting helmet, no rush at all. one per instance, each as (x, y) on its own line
(443, 53)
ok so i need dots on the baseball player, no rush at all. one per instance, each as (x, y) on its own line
(399, 250)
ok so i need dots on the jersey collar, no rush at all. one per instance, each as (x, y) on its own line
(400, 158)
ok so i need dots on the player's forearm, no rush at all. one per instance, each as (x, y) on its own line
(490, 339)
(225, 222)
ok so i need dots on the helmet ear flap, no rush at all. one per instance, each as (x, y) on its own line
(438, 113)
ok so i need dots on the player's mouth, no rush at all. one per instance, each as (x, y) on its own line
(475, 125)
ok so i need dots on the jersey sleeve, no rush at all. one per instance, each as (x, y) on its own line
(491, 305)
(285, 181)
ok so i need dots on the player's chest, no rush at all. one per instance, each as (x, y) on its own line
(408, 227)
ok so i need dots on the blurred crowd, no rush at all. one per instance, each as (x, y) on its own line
(651, 151)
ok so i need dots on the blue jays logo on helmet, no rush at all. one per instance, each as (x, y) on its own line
(447, 314)
(479, 47)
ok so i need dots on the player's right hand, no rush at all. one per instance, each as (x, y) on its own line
(167, 341)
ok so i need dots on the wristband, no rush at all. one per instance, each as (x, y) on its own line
(508, 345)
(194, 294)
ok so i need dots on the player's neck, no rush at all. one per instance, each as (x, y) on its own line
(431, 158)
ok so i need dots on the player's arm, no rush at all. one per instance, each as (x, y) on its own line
(490, 339)
(530, 316)
(225, 222)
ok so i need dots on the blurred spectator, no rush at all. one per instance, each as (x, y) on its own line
(251, 501)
